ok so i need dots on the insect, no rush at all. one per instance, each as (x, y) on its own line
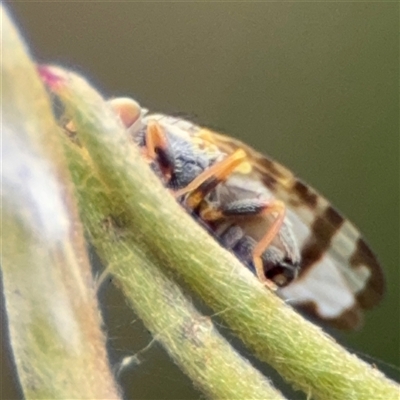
(279, 227)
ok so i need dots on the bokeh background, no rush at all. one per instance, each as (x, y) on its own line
(314, 85)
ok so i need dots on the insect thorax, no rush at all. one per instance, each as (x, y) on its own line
(185, 159)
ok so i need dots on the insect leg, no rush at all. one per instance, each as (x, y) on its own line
(210, 178)
(278, 209)
(253, 208)
(155, 140)
(158, 148)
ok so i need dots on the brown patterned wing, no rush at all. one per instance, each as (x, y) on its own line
(340, 275)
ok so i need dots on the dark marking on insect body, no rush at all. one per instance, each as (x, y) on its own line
(305, 194)
(322, 232)
(269, 181)
(333, 218)
(372, 294)
(242, 208)
(272, 166)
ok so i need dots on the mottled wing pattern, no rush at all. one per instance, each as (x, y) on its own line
(339, 275)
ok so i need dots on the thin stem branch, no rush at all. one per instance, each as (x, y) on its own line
(52, 312)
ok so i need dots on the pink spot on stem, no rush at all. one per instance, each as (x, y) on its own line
(50, 77)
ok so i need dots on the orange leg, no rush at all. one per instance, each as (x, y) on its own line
(277, 208)
(155, 139)
(216, 174)
(211, 177)
(254, 207)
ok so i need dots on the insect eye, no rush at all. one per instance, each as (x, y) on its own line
(128, 110)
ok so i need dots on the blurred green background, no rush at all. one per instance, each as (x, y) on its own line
(314, 85)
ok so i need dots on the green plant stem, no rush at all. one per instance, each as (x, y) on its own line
(52, 312)
(301, 352)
